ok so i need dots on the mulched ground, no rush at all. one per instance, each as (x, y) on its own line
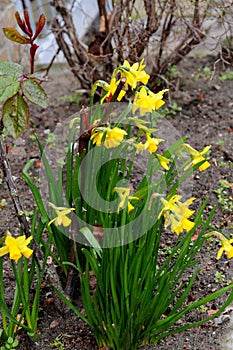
(205, 118)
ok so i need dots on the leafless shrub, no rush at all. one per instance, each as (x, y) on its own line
(161, 31)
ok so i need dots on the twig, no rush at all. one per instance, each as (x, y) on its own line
(52, 60)
(15, 197)
(13, 191)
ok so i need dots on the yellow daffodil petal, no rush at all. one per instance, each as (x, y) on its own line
(152, 143)
(204, 166)
(227, 247)
(197, 156)
(66, 221)
(97, 138)
(134, 73)
(163, 161)
(16, 247)
(124, 194)
(111, 89)
(220, 253)
(130, 207)
(27, 252)
(113, 137)
(4, 250)
(61, 218)
(177, 213)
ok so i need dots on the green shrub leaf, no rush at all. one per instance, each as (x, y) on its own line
(34, 92)
(9, 86)
(11, 68)
(15, 115)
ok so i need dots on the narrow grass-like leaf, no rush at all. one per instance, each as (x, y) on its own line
(71, 306)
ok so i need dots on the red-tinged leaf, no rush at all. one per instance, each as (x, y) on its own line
(19, 20)
(13, 35)
(28, 23)
(15, 115)
(22, 24)
(34, 92)
(9, 86)
(40, 26)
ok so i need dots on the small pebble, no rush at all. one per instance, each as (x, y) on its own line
(54, 324)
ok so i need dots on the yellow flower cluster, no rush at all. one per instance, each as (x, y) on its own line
(177, 214)
(145, 100)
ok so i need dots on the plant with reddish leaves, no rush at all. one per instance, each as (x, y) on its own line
(16, 86)
(25, 25)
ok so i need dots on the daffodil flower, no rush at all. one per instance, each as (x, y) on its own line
(134, 73)
(151, 144)
(182, 207)
(178, 224)
(226, 247)
(61, 218)
(101, 83)
(140, 147)
(111, 89)
(177, 213)
(113, 137)
(17, 247)
(124, 194)
(197, 156)
(147, 101)
(163, 161)
(169, 205)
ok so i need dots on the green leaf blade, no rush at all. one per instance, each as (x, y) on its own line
(34, 92)
(15, 115)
